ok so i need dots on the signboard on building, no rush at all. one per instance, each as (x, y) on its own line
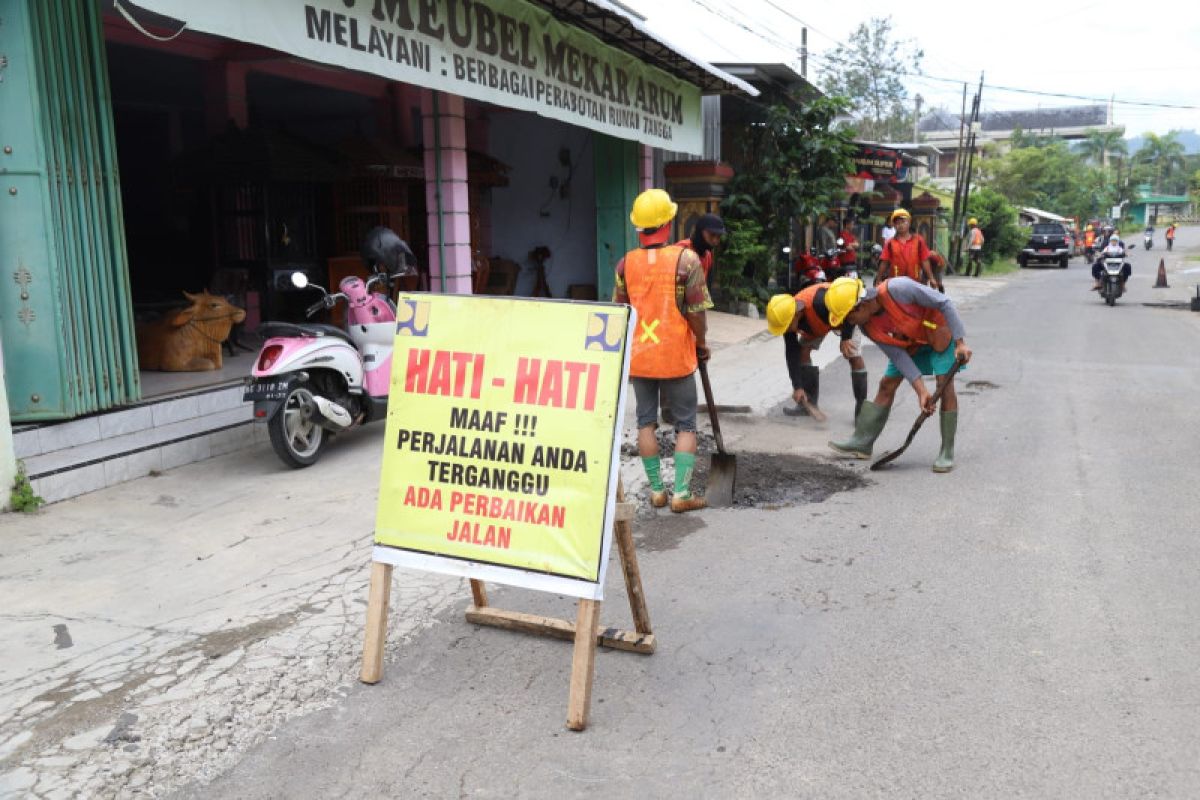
(506, 52)
(501, 451)
(877, 163)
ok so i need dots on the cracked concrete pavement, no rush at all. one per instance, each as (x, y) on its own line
(156, 631)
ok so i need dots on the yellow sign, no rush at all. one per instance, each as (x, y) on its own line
(501, 450)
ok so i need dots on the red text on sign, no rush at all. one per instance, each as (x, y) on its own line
(557, 384)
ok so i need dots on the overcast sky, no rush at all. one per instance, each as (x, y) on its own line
(1093, 49)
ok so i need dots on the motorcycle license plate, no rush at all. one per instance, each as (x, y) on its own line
(257, 391)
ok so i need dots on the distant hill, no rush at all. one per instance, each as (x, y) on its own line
(1189, 139)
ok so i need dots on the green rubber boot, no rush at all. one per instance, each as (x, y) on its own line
(867, 428)
(945, 459)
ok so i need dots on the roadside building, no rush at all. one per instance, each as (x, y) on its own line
(167, 146)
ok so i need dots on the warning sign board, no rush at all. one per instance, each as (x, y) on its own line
(501, 450)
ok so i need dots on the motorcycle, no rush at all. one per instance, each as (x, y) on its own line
(313, 380)
(1111, 286)
(1148, 238)
(833, 266)
(806, 270)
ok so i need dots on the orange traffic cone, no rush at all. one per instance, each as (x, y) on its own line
(1161, 283)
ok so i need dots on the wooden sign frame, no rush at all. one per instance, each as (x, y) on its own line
(585, 631)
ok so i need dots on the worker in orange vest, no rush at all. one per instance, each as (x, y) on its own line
(803, 322)
(1089, 242)
(974, 248)
(906, 254)
(665, 285)
(921, 333)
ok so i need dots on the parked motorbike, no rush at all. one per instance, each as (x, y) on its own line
(807, 270)
(313, 380)
(831, 262)
(1111, 286)
(1148, 238)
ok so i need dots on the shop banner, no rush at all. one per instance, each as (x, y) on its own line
(501, 452)
(505, 52)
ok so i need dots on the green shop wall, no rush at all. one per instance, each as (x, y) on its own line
(616, 186)
(66, 320)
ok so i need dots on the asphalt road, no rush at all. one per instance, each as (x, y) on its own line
(1026, 626)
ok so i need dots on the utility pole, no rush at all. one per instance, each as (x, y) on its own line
(804, 53)
(962, 196)
(917, 119)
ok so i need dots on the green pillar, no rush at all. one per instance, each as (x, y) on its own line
(616, 163)
(66, 321)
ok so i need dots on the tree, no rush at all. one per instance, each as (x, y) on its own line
(1164, 155)
(1002, 235)
(793, 165)
(1099, 144)
(867, 70)
(1050, 177)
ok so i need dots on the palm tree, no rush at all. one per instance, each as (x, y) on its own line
(1099, 144)
(1163, 155)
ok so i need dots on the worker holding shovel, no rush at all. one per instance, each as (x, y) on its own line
(665, 285)
(915, 327)
(803, 322)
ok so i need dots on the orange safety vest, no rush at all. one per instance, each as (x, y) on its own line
(907, 325)
(815, 326)
(976, 238)
(1089, 238)
(905, 256)
(663, 343)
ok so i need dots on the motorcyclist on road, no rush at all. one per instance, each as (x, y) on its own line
(1115, 248)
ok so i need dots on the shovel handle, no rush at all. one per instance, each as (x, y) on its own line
(712, 407)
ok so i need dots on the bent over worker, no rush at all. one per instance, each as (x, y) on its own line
(665, 285)
(803, 321)
(915, 327)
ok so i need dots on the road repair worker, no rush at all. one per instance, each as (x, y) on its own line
(1170, 236)
(915, 327)
(906, 254)
(974, 248)
(706, 236)
(803, 321)
(665, 284)
(1089, 242)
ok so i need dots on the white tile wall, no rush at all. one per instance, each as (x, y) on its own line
(180, 453)
(26, 444)
(60, 446)
(126, 468)
(127, 421)
(68, 434)
(176, 410)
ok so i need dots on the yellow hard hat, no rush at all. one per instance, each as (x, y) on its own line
(1089, 227)
(841, 297)
(652, 209)
(972, 221)
(781, 310)
(901, 212)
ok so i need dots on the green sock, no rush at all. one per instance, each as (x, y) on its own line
(653, 465)
(685, 465)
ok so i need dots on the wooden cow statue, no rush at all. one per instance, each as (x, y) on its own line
(188, 340)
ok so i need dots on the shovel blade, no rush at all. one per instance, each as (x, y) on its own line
(722, 479)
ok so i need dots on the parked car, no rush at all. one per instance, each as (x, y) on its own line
(1049, 243)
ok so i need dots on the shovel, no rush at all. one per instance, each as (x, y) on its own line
(722, 474)
(891, 455)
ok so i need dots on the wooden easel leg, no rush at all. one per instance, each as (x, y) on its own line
(377, 614)
(629, 566)
(478, 594)
(583, 664)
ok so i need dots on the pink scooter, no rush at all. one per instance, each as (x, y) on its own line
(313, 380)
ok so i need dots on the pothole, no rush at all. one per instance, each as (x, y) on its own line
(982, 385)
(770, 479)
(1174, 305)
